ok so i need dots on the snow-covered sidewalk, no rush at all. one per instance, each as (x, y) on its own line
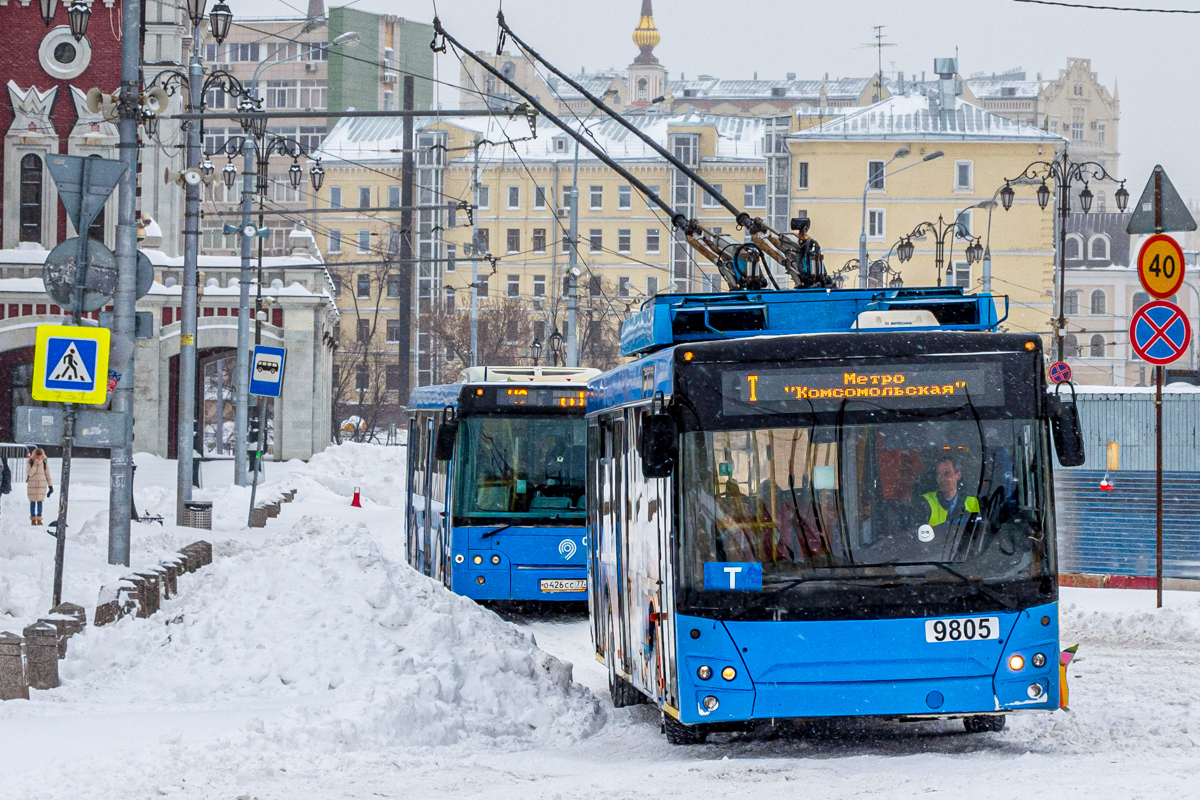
(310, 662)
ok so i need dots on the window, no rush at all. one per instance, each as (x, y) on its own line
(651, 287)
(393, 330)
(713, 283)
(595, 240)
(654, 190)
(311, 136)
(710, 201)
(1098, 247)
(362, 379)
(1071, 304)
(363, 330)
(539, 286)
(393, 285)
(31, 198)
(1079, 90)
(643, 89)
(875, 223)
(624, 197)
(964, 176)
(623, 286)
(802, 171)
(1074, 247)
(313, 94)
(514, 285)
(483, 242)
(364, 197)
(281, 94)
(756, 195)
(652, 240)
(539, 330)
(594, 288)
(623, 237)
(567, 191)
(596, 198)
(364, 241)
(363, 287)
(1070, 346)
(1099, 302)
(965, 221)
(1101, 203)
(514, 197)
(451, 256)
(335, 197)
(335, 241)
(393, 197)
(539, 240)
(1077, 130)
(539, 198)
(560, 144)
(482, 289)
(566, 241)
(513, 240)
(450, 293)
(875, 175)
(1097, 346)
(393, 378)
(1140, 299)
(485, 195)
(244, 52)
(959, 275)
(1100, 135)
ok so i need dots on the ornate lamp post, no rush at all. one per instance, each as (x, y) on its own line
(941, 231)
(1064, 173)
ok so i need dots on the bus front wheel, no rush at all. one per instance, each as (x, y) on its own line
(678, 733)
(985, 724)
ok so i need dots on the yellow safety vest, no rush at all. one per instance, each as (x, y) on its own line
(938, 515)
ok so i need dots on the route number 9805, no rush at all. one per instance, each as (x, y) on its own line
(968, 629)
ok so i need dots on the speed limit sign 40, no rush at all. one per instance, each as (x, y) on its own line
(1160, 266)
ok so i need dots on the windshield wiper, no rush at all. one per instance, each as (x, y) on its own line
(490, 534)
(976, 584)
(763, 599)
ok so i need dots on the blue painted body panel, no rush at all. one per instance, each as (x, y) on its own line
(526, 555)
(436, 397)
(882, 667)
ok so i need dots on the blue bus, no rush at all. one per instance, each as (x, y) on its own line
(821, 503)
(496, 469)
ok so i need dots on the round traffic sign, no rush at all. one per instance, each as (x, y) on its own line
(99, 279)
(1060, 372)
(1160, 266)
(1160, 332)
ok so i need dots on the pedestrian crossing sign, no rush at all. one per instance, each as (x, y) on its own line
(70, 364)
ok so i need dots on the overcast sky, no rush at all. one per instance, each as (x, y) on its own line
(1153, 56)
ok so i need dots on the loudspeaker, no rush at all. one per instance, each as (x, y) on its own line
(156, 100)
(190, 176)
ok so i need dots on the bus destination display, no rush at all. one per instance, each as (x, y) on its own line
(796, 391)
(528, 396)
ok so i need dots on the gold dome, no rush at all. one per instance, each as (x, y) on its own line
(645, 35)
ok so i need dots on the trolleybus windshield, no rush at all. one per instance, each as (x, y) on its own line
(882, 506)
(519, 469)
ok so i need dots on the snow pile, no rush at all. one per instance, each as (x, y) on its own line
(379, 471)
(358, 652)
(1152, 627)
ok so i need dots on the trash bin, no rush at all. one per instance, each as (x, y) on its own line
(197, 514)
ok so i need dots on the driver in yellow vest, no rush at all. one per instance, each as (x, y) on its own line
(946, 503)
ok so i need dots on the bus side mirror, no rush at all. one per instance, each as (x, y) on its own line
(660, 444)
(1068, 435)
(447, 434)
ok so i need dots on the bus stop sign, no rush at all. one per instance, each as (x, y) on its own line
(1160, 332)
(266, 370)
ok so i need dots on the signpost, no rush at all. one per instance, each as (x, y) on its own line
(1060, 372)
(266, 380)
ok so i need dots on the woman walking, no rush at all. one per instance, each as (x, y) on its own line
(39, 486)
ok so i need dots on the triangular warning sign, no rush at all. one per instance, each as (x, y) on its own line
(70, 368)
(1174, 215)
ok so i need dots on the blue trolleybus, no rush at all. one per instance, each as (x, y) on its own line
(823, 503)
(496, 468)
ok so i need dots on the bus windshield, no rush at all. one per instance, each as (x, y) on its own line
(520, 468)
(838, 519)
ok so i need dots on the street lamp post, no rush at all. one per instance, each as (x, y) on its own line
(941, 230)
(863, 261)
(1064, 173)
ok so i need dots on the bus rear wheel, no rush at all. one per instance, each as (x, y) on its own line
(678, 733)
(622, 692)
(985, 724)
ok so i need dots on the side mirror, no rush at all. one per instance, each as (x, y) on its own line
(447, 435)
(1068, 435)
(659, 445)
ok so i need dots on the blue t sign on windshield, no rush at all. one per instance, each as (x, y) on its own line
(733, 576)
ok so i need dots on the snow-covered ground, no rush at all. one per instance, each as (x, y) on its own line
(310, 662)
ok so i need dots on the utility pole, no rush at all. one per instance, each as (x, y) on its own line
(186, 435)
(572, 269)
(406, 254)
(475, 262)
(121, 360)
(242, 409)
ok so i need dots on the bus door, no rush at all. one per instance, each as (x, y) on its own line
(620, 530)
(410, 528)
(427, 545)
(598, 590)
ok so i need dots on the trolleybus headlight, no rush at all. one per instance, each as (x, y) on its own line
(495, 559)
(1016, 662)
(478, 559)
(458, 559)
(704, 673)
(1039, 660)
(1034, 691)
(711, 703)
(729, 673)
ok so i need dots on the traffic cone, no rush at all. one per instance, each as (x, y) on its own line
(1105, 484)
(357, 501)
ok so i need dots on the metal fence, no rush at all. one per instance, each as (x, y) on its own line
(1127, 417)
(15, 453)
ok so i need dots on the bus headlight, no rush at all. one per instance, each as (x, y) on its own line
(495, 559)
(704, 673)
(1034, 691)
(1039, 660)
(729, 673)
(711, 703)
(477, 559)
(1016, 662)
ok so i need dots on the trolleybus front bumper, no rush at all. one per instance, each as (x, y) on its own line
(530, 563)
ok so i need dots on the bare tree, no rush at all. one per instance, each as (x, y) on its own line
(505, 334)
